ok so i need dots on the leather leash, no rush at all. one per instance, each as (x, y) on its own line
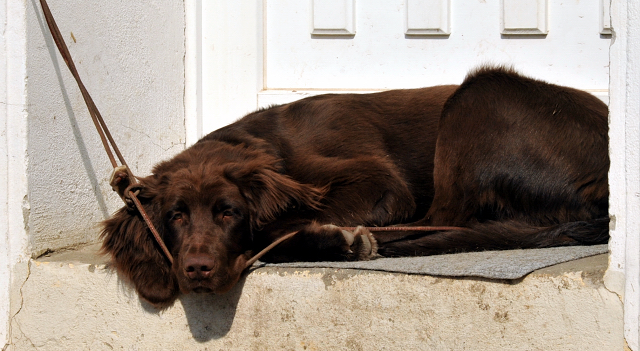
(405, 228)
(371, 229)
(122, 179)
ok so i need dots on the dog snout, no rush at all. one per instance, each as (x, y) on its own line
(199, 266)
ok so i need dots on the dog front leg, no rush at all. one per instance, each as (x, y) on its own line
(316, 242)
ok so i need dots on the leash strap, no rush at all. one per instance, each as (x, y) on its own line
(405, 229)
(122, 179)
(372, 229)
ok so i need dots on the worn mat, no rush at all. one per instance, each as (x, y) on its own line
(509, 264)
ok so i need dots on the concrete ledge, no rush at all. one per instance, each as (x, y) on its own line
(71, 302)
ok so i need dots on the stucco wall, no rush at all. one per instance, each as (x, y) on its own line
(623, 275)
(71, 302)
(130, 55)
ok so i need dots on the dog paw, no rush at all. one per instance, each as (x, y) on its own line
(362, 245)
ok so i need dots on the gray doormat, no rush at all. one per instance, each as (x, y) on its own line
(508, 264)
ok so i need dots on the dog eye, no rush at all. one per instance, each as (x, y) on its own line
(227, 214)
(177, 217)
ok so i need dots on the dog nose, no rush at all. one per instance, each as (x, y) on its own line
(198, 266)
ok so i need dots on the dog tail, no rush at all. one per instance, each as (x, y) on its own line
(496, 235)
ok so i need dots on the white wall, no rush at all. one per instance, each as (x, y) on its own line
(130, 56)
(624, 177)
(54, 173)
(13, 150)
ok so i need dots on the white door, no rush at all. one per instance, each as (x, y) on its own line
(253, 53)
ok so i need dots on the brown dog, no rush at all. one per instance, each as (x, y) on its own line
(518, 162)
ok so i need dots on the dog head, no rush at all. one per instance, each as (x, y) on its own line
(205, 203)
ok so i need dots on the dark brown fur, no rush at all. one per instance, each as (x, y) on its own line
(518, 162)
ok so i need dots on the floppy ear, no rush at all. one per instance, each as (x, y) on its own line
(135, 254)
(270, 192)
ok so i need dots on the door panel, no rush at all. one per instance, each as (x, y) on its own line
(259, 53)
(381, 56)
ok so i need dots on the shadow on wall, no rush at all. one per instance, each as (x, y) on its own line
(82, 148)
(211, 316)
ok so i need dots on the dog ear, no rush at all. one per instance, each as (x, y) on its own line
(270, 192)
(135, 254)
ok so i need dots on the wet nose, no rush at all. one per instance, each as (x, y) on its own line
(198, 266)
